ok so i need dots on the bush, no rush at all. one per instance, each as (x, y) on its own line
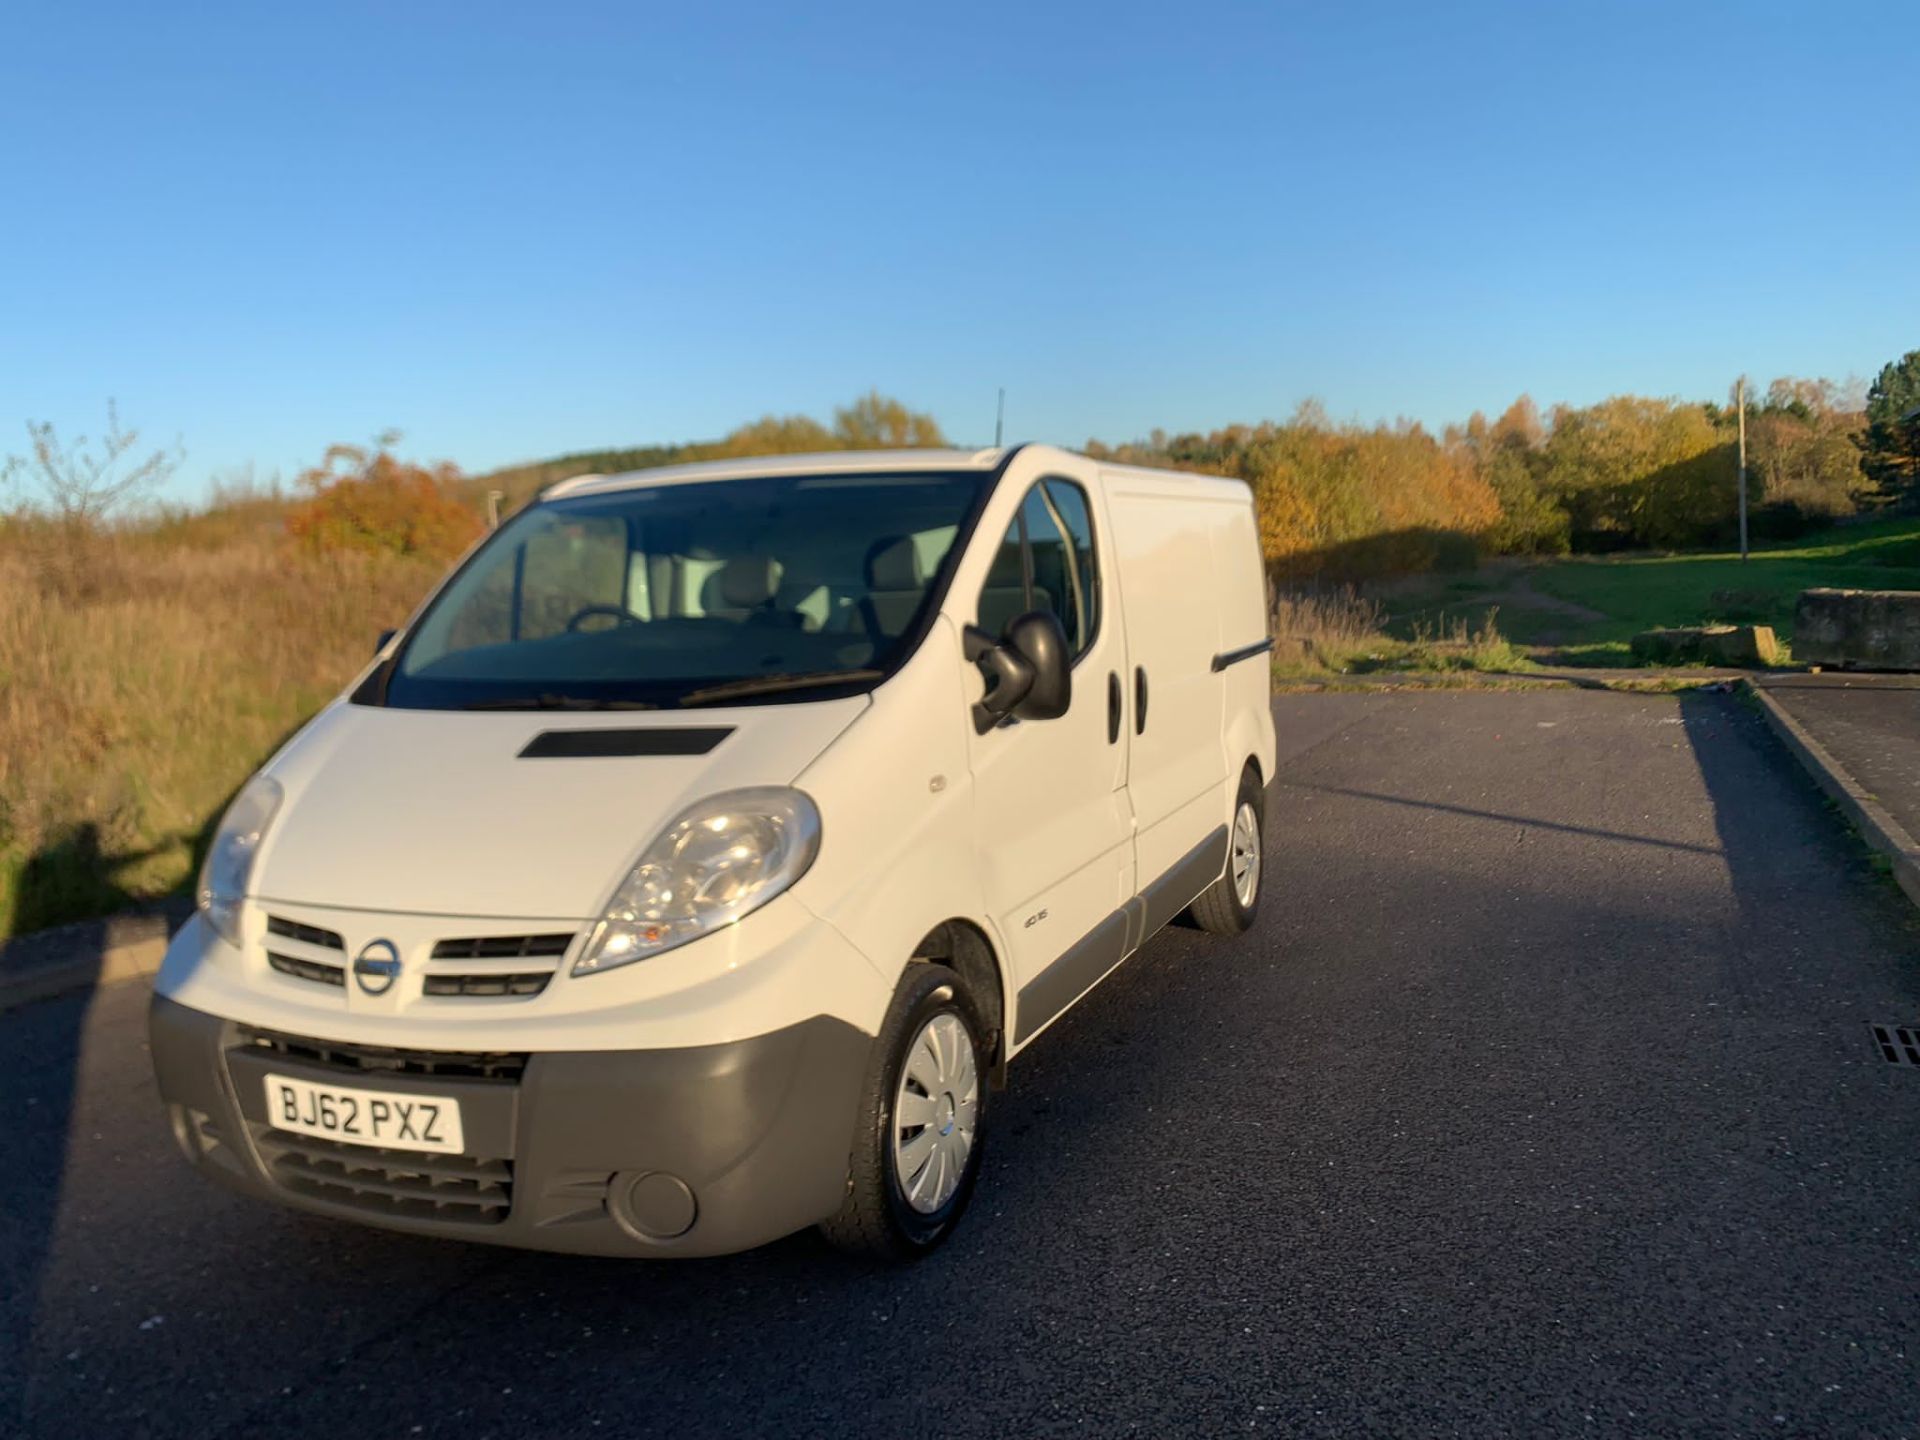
(371, 501)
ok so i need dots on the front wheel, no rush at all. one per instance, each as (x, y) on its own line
(1228, 906)
(916, 1153)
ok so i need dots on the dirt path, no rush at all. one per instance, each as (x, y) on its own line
(1511, 592)
(1522, 595)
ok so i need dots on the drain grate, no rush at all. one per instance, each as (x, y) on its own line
(1899, 1044)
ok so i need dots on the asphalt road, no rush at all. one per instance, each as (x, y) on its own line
(1541, 1102)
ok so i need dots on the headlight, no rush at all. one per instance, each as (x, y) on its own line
(720, 860)
(229, 863)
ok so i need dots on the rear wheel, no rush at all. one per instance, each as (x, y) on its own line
(1228, 906)
(916, 1154)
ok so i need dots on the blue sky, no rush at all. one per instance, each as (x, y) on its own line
(515, 231)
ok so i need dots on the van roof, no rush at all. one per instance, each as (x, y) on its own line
(842, 462)
(838, 461)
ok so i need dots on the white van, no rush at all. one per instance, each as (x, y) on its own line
(691, 867)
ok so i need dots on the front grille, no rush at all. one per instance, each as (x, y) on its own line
(503, 947)
(463, 1189)
(311, 934)
(502, 984)
(378, 1060)
(308, 969)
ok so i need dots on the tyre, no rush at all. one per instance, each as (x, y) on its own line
(1229, 905)
(916, 1152)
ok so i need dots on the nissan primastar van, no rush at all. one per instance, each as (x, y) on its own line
(692, 866)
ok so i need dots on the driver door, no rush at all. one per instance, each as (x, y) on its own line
(1053, 826)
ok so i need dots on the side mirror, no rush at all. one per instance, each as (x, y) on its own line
(381, 643)
(1027, 670)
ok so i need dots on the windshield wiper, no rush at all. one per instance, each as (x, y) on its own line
(772, 684)
(557, 702)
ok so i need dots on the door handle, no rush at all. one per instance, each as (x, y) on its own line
(1139, 700)
(1113, 707)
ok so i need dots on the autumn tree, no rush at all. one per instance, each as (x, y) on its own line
(1520, 426)
(1508, 455)
(1638, 471)
(1338, 501)
(879, 422)
(1803, 455)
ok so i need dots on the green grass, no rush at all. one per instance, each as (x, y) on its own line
(1632, 593)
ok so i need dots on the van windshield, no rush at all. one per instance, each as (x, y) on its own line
(793, 587)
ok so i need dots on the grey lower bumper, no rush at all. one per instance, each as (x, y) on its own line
(701, 1151)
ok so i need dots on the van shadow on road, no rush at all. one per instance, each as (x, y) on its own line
(40, 1081)
(39, 1085)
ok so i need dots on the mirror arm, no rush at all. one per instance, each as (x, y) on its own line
(1007, 674)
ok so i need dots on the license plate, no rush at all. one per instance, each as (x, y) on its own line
(385, 1118)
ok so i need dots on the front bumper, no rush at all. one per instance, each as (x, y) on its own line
(697, 1151)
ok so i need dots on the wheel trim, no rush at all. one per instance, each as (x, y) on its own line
(935, 1111)
(1244, 864)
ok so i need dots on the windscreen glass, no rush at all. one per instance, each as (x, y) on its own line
(725, 591)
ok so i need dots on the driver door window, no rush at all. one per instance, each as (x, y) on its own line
(1046, 562)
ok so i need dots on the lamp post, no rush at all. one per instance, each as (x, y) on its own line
(1740, 402)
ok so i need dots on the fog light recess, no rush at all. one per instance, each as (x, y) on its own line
(652, 1204)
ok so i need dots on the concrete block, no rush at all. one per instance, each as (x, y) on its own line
(1748, 645)
(1735, 645)
(1858, 629)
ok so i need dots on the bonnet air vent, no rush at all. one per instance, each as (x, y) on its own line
(606, 744)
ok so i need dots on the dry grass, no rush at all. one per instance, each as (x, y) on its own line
(142, 678)
(1316, 632)
(1342, 632)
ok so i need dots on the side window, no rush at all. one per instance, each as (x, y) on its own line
(1046, 562)
(1068, 569)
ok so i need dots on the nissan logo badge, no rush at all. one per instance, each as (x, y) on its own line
(377, 967)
